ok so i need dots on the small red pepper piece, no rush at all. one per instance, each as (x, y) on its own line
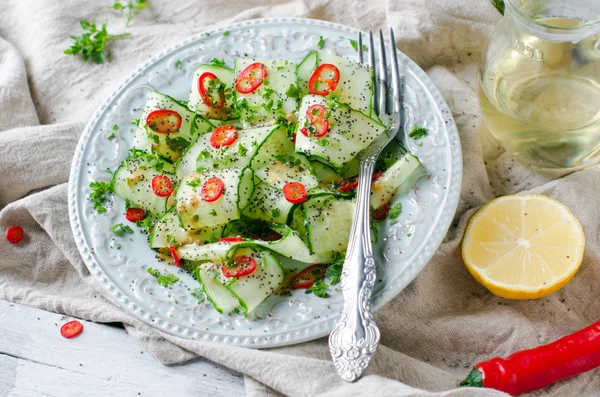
(308, 276)
(223, 135)
(319, 125)
(209, 92)
(212, 189)
(539, 367)
(135, 214)
(164, 121)
(14, 234)
(236, 239)
(71, 329)
(251, 78)
(324, 79)
(174, 255)
(381, 212)
(242, 266)
(294, 192)
(162, 185)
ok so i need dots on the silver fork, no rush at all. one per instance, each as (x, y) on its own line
(355, 337)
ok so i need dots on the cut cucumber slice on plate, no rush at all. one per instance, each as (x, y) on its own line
(220, 91)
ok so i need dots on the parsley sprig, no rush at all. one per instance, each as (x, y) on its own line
(101, 191)
(132, 8)
(163, 279)
(91, 45)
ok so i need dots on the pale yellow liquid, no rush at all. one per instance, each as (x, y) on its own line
(546, 114)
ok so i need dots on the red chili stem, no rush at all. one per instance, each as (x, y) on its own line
(539, 367)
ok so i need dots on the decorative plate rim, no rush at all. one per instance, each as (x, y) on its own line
(306, 333)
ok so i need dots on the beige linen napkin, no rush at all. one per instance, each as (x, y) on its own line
(432, 333)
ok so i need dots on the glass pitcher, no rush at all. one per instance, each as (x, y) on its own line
(539, 82)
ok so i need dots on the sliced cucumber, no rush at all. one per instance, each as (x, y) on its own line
(384, 188)
(133, 181)
(195, 213)
(289, 245)
(223, 300)
(224, 84)
(168, 231)
(202, 156)
(263, 105)
(328, 222)
(355, 87)
(350, 131)
(251, 290)
(170, 146)
(326, 174)
(268, 204)
(305, 69)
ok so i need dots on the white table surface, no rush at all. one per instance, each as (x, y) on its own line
(35, 360)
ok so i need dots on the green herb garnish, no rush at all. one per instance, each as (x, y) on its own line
(275, 213)
(177, 143)
(395, 211)
(178, 64)
(120, 230)
(213, 212)
(354, 44)
(293, 91)
(320, 42)
(110, 136)
(132, 7)
(217, 62)
(198, 293)
(226, 33)
(319, 288)
(417, 132)
(499, 4)
(194, 183)
(115, 127)
(99, 194)
(91, 44)
(163, 279)
(241, 150)
(334, 271)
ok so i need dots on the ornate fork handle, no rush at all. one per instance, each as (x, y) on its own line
(356, 336)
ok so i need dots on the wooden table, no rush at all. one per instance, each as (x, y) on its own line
(103, 361)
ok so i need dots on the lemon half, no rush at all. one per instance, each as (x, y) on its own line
(523, 246)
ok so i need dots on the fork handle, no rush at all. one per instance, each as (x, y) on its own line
(355, 337)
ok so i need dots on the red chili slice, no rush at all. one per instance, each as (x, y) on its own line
(237, 239)
(174, 256)
(324, 80)
(71, 329)
(250, 78)
(135, 214)
(223, 135)
(347, 185)
(209, 90)
(212, 189)
(381, 212)
(294, 192)
(14, 234)
(164, 121)
(242, 266)
(319, 126)
(162, 186)
(307, 277)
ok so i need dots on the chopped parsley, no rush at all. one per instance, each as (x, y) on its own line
(115, 127)
(101, 191)
(217, 62)
(154, 160)
(226, 33)
(132, 7)
(166, 279)
(241, 150)
(134, 122)
(334, 271)
(322, 142)
(91, 44)
(354, 44)
(146, 224)
(275, 213)
(198, 293)
(417, 132)
(395, 211)
(194, 183)
(178, 64)
(319, 288)
(320, 42)
(177, 143)
(213, 212)
(293, 91)
(120, 230)
(110, 136)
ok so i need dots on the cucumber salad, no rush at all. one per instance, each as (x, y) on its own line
(250, 182)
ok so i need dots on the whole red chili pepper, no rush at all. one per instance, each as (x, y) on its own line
(533, 369)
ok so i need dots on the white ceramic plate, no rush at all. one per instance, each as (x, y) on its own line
(403, 249)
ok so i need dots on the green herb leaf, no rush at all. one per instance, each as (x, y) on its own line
(334, 271)
(91, 44)
(213, 212)
(319, 288)
(354, 44)
(395, 211)
(322, 142)
(275, 213)
(194, 183)
(199, 294)
(154, 272)
(293, 91)
(177, 143)
(217, 62)
(154, 160)
(178, 64)
(320, 43)
(226, 33)
(417, 132)
(499, 4)
(101, 191)
(163, 279)
(115, 127)
(242, 151)
(132, 8)
(110, 136)
(120, 230)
